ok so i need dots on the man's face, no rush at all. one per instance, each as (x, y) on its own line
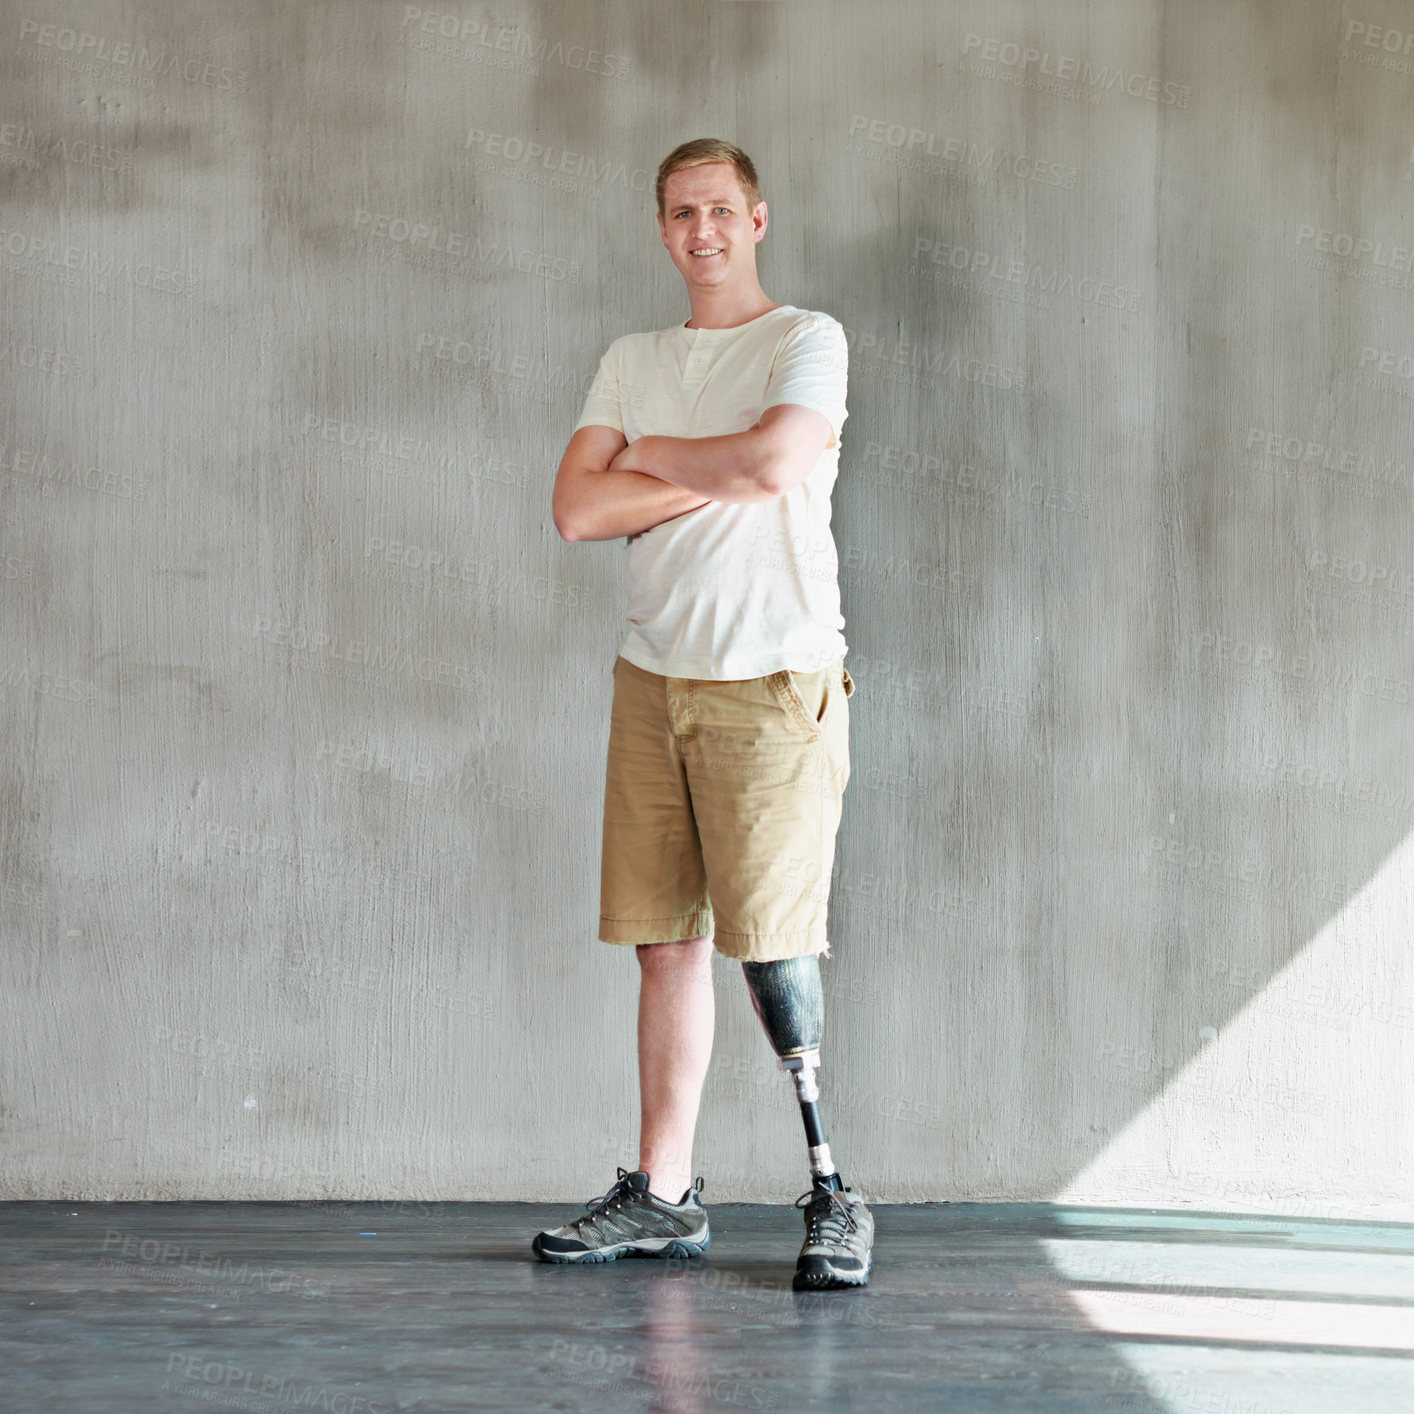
(709, 230)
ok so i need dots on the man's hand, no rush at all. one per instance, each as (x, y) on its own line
(591, 501)
(628, 458)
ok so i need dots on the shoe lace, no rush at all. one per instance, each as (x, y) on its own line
(612, 1198)
(828, 1215)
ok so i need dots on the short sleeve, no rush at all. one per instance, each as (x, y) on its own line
(812, 368)
(602, 405)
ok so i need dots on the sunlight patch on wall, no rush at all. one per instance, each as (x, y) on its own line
(1324, 1047)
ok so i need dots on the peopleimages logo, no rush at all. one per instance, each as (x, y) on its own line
(1378, 46)
(1307, 454)
(1349, 246)
(28, 144)
(905, 360)
(1388, 361)
(1070, 69)
(425, 243)
(83, 49)
(910, 145)
(1391, 41)
(984, 265)
(559, 161)
(454, 35)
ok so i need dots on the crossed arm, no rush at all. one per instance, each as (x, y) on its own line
(608, 487)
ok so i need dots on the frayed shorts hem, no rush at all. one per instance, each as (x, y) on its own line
(771, 947)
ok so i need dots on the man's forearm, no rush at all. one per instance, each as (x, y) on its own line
(622, 503)
(731, 469)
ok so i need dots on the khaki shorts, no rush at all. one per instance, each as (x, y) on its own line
(721, 805)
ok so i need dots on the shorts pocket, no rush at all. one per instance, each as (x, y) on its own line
(808, 698)
(788, 693)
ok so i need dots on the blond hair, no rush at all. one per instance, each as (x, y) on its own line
(710, 149)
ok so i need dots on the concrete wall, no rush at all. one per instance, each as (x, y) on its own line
(305, 702)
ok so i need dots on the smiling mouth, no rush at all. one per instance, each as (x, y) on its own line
(706, 251)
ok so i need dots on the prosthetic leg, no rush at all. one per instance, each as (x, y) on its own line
(789, 1002)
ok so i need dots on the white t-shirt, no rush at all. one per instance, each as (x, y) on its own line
(731, 591)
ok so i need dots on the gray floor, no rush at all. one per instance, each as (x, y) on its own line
(369, 1308)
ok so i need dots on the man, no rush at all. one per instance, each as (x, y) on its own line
(712, 447)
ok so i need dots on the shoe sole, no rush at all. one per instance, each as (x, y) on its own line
(666, 1247)
(832, 1280)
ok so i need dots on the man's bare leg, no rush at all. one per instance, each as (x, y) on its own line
(676, 1019)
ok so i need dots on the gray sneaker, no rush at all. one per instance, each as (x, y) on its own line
(839, 1240)
(629, 1221)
